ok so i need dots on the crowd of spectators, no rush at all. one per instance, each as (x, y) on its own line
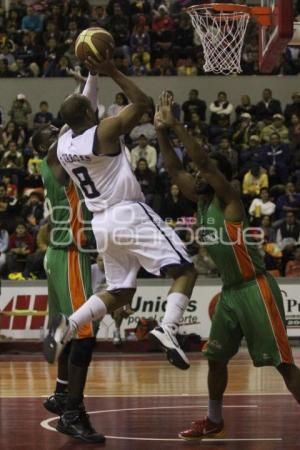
(152, 37)
(262, 142)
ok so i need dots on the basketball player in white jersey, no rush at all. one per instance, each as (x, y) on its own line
(128, 233)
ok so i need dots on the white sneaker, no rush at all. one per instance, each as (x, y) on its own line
(60, 333)
(117, 338)
(168, 341)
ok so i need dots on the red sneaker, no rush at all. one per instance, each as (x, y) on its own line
(203, 429)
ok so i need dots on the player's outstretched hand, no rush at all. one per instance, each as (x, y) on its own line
(102, 65)
(158, 123)
(165, 110)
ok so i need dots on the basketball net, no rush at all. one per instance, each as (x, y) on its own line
(222, 36)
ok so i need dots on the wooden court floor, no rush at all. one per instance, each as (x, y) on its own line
(141, 403)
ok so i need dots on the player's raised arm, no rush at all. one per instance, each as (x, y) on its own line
(91, 89)
(196, 152)
(129, 116)
(172, 163)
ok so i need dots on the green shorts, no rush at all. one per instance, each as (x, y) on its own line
(69, 284)
(253, 310)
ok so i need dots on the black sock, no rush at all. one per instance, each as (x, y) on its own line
(61, 388)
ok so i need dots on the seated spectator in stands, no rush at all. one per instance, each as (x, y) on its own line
(275, 157)
(4, 241)
(33, 210)
(245, 107)
(288, 236)
(124, 4)
(32, 21)
(292, 269)
(144, 151)
(250, 155)
(262, 205)
(188, 68)
(34, 170)
(219, 107)
(5, 71)
(178, 149)
(138, 68)
(72, 32)
(268, 230)
(197, 126)
(277, 126)
(20, 111)
(147, 180)
(175, 205)
(28, 51)
(164, 67)
(43, 117)
(60, 68)
(176, 108)
(12, 159)
(22, 69)
(267, 107)
(8, 208)
(145, 128)
(183, 42)
(288, 202)
(193, 104)
(14, 133)
(292, 108)
(254, 181)
(203, 263)
(294, 132)
(51, 32)
(218, 129)
(21, 244)
(245, 128)
(226, 149)
(162, 20)
(120, 102)
(140, 39)
(118, 26)
(34, 267)
(11, 189)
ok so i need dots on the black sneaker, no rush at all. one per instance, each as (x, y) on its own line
(56, 403)
(77, 424)
(168, 341)
(58, 336)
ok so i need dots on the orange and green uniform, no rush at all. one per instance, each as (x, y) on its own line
(67, 261)
(251, 303)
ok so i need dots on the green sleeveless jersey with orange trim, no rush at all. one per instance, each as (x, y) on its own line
(69, 217)
(229, 244)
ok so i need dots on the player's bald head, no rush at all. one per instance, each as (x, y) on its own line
(74, 110)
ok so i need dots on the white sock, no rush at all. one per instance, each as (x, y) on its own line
(93, 309)
(176, 305)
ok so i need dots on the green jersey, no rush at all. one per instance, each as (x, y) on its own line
(230, 245)
(69, 217)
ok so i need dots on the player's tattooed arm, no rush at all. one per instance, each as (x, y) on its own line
(55, 166)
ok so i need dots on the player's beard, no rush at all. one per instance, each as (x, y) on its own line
(204, 188)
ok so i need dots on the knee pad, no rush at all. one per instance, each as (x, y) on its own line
(81, 351)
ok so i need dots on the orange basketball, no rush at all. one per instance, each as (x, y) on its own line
(213, 304)
(94, 42)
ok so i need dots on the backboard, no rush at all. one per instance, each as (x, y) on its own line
(274, 38)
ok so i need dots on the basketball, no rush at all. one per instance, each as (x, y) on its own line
(94, 42)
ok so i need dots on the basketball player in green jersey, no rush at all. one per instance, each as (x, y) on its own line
(250, 304)
(68, 269)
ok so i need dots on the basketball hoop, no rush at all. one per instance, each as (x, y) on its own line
(221, 28)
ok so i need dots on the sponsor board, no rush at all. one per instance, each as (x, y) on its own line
(149, 301)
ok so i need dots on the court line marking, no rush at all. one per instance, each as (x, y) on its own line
(239, 394)
(46, 425)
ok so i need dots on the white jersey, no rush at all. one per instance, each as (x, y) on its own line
(104, 180)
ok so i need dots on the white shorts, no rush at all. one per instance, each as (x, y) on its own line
(130, 235)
